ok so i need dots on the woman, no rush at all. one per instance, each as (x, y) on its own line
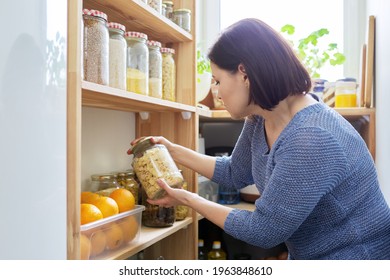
(319, 188)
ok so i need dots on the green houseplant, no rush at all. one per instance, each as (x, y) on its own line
(311, 54)
(203, 76)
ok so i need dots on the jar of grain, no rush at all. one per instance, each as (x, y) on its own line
(155, 69)
(117, 58)
(182, 17)
(137, 63)
(151, 162)
(96, 46)
(156, 4)
(168, 74)
(169, 9)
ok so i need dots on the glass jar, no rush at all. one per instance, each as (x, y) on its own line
(164, 9)
(182, 17)
(137, 63)
(156, 216)
(155, 4)
(181, 211)
(168, 74)
(132, 185)
(169, 9)
(345, 94)
(155, 69)
(96, 47)
(151, 162)
(106, 182)
(117, 58)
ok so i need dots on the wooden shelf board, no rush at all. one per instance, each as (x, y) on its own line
(148, 237)
(98, 96)
(138, 16)
(224, 115)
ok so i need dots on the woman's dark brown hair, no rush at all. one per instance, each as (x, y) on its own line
(272, 67)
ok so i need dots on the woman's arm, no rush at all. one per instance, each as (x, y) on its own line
(214, 212)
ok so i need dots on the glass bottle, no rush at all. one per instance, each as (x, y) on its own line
(182, 17)
(216, 253)
(117, 58)
(137, 63)
(168, 74)
(202, 254)
(96, 47)
(151, 162)
(155, 69)
(155, 215)
(106, 182)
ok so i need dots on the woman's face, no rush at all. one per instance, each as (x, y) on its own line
(233, 91)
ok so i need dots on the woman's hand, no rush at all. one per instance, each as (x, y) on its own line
(154, 140)
(173, 196)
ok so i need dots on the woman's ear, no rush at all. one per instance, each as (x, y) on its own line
(241, 69)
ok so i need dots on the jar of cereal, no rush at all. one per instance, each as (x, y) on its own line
(169, 9)
(168, 74)
(96, 45)
(137, 63)
(117, 58)
(151, 162)
(155, 69)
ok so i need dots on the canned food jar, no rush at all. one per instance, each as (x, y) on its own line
(96, 47)
(117, 58)
(151, 162)
(168, 74)
(100, 182)
(156, 4)
(155, 69)
(156, 216)
(169, 9)
(345, 93)
(182, 17)
(137, 63)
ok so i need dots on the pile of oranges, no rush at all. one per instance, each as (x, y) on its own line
(113, 235)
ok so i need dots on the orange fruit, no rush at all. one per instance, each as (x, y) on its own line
(88, 197)
(124, 198)
(129, 226)
(98, 242)
(85, 247)
(89, 213)
(107, 206)
(114, 236)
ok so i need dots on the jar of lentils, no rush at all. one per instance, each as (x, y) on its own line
(156, 4)
(155, 69)
(182, 17)
(137, 63)
(168, 74)
(117, 58)
(96, 47)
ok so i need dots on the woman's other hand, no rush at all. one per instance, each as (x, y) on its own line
(173, 196)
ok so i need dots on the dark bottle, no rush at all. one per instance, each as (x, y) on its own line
(202, 253)
(216, 252)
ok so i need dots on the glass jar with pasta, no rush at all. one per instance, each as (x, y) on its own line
(168, 74)
(151, 162)
(155, 69)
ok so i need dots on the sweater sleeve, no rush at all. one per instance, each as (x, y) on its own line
(235, 171)
(302, 168)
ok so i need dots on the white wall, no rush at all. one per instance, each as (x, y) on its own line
(106, 136)
(381, 9)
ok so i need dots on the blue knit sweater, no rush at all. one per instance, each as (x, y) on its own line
(319, 189)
